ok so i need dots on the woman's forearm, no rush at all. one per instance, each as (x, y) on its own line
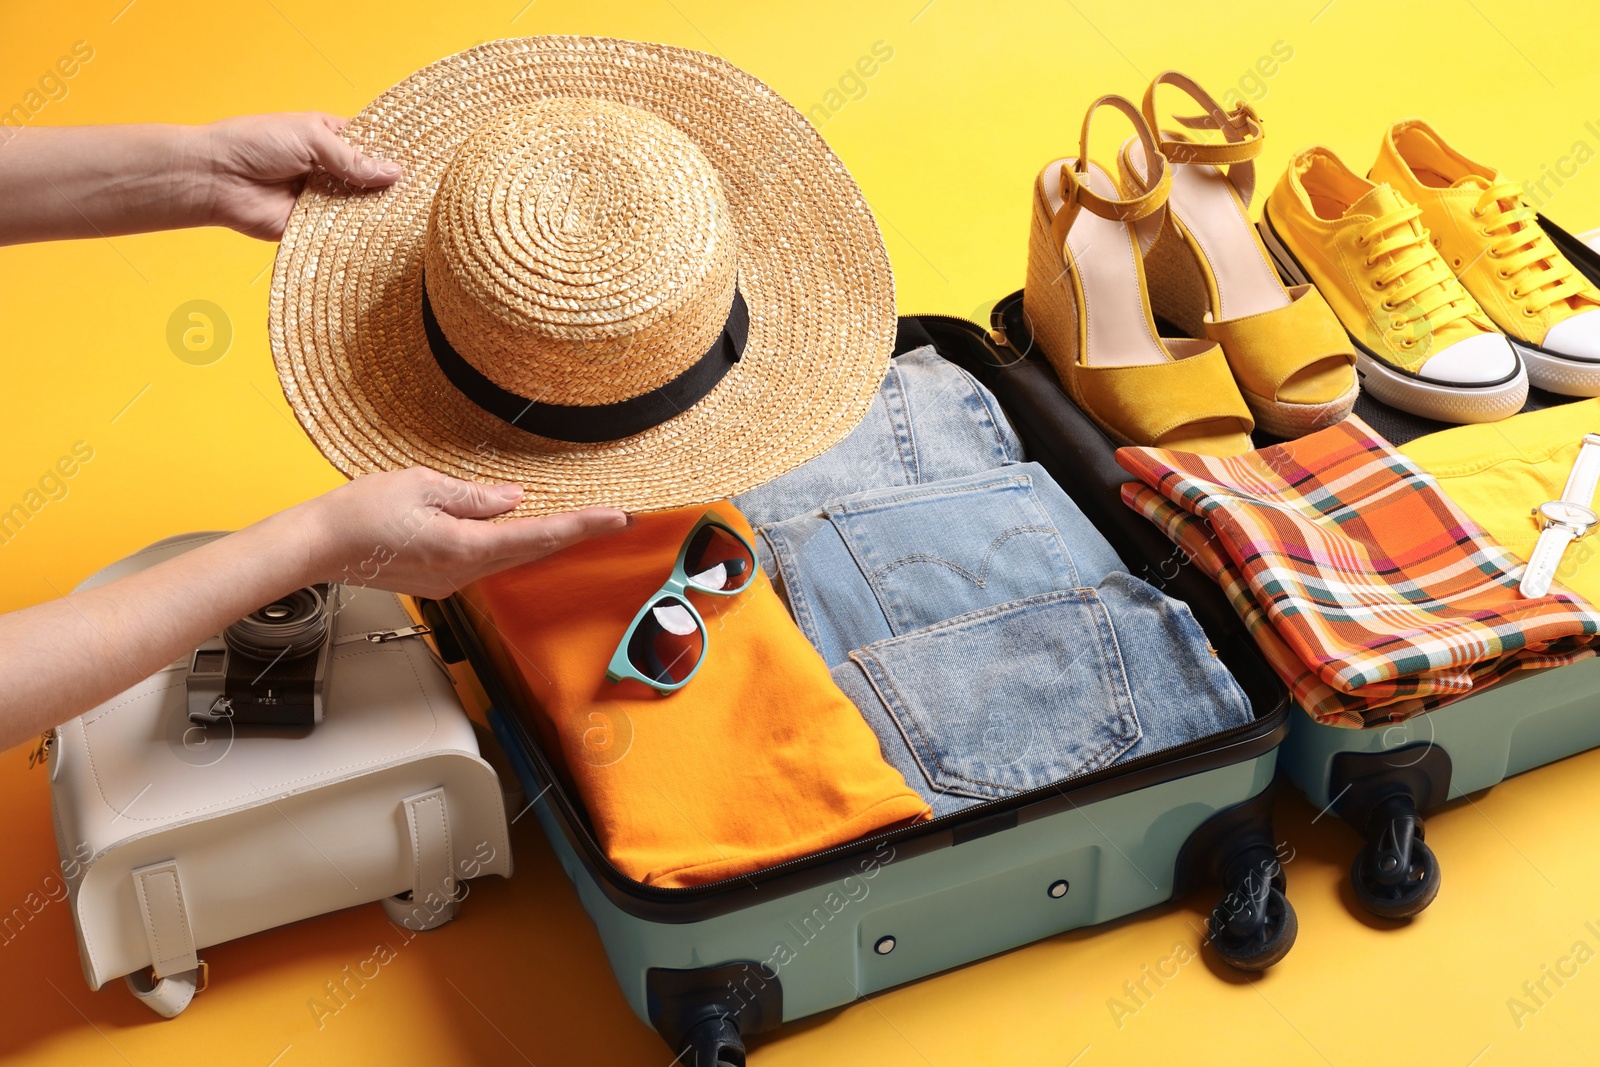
(412, 531)
(102, 181)
(63, 656)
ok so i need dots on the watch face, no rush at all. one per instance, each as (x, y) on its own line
(1566, 513)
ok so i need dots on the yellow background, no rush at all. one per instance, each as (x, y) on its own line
(944, 140)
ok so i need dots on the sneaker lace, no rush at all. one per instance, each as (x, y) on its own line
(1543, 275)
(1402, 253)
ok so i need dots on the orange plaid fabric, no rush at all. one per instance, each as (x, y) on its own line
(1367, 589)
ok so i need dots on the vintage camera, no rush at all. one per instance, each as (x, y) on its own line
(271, 667)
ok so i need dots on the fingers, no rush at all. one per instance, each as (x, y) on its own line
(446, 536)
(523, 540)
(474, 500)
(346, 162)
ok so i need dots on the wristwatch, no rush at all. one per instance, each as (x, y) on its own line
(1564, 521)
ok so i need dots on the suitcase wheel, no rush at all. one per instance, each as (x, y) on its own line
(1395, 875)
(1254, 925)
(713, 1043)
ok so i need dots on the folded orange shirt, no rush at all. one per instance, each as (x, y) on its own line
(759, 759)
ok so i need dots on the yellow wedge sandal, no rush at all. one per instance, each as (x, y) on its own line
(1210, 276)
(1089, 311)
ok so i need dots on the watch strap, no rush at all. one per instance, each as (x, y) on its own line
(1585, 476)
(1541, 569)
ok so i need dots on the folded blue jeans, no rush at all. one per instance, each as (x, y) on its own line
(988, 634)
(930, 421)
(888, 561)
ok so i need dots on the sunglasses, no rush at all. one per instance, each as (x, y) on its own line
(666, 642)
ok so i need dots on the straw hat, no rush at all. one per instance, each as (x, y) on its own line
(617, 273)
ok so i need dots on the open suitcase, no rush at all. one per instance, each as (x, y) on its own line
(1382, 780)
(698, 964)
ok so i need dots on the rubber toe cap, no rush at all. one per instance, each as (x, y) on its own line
(1480, 360)
(1578, 336)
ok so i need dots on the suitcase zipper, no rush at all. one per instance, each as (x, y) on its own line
(41, 754)
(993, 338)
(383, 637)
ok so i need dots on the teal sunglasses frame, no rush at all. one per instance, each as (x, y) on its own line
(677, 587)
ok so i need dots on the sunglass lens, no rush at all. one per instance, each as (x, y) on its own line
(667, 643)
(718, 560)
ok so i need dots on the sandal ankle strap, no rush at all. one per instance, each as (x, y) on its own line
(1242, 128)
(1135, 210)
(1075, 189)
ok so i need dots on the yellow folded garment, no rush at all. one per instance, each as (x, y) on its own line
(1498, 472)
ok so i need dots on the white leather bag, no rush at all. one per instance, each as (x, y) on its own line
(174, 838)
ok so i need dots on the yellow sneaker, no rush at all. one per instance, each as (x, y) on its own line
(1423, 344)
(1492, 241)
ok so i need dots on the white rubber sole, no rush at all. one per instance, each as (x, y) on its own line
(1436, 400)
(1559, 374)
(1439, 401)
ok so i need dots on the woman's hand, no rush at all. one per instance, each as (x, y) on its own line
(420, 532)
(61, 182)
(256, 165)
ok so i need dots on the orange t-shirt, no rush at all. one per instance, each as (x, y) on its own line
(759, 759)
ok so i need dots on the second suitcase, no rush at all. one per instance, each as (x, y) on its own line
(1382, 780)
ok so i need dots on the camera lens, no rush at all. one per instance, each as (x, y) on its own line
(285, 629)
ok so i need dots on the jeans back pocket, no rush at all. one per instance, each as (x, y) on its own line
(1004, 699)
(933, 552)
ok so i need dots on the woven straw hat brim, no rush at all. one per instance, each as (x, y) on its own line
(346, 318)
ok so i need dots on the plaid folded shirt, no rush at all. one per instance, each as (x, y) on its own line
(1368, 590)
